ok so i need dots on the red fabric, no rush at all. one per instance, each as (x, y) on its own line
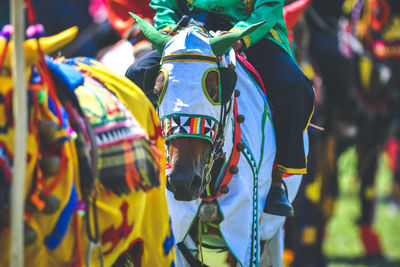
(30, 12)
(292, 12)
(118, 13)
(392, 149)
(250, 67)
(380, 14)
(370, 240)
(116, 235)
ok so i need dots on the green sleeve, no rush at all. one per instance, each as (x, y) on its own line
(168, 12)
(269, 10)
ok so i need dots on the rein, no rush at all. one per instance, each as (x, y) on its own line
(225, 175)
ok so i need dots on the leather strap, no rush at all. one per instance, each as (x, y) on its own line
(188, 256)
(234, 158)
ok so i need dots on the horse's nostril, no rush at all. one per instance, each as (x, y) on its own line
(169, 185)
(185, 187)
(196, 181)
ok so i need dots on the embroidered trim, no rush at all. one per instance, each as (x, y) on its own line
(275, 35)
(249, 5)
(164, 90)
(203, 85)
(199, 29)
(255, 240)
(190, 2)
(190, 126)
(291, 170)
(189, 57)
(247, 41)
(235, 29)
(309, 119)
(168, 28)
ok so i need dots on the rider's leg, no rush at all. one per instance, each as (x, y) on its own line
(292, 98)
(136, 71)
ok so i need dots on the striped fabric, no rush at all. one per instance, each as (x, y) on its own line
(189, 126)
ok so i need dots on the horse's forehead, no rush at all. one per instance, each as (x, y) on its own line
(189, 41)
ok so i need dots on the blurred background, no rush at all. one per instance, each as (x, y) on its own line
(348, 207)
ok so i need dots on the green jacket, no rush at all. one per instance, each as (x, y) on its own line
(241, 13)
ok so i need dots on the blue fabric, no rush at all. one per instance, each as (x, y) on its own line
(169, 242)
(35, 76)
(85, 60)
(52, 106)
(66, 74)
(53, 240)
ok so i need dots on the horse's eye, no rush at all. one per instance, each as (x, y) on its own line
(213, 93)
(212, 86)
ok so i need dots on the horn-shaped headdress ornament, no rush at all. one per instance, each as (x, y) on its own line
(219, 44)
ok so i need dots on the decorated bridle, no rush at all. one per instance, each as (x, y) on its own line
(228, 78)
(215, 133)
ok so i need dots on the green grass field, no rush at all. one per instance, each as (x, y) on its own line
(342, 237)
(342, 246)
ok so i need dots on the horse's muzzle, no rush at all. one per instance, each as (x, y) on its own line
(185, 187)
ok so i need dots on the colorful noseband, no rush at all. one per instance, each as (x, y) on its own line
(178, 125)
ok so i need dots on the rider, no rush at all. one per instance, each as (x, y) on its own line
(267, 49)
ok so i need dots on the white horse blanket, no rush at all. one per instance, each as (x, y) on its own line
(242, 207)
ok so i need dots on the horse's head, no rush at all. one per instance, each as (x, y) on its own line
(42, 132)
(192, 89)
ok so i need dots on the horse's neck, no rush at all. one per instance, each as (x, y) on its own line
(253, 105)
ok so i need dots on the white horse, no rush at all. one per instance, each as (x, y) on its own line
(221, 146)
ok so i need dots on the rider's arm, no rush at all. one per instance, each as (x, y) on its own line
(169, 12)
(270, 10)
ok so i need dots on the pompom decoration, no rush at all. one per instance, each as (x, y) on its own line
(35, 31)
(7, 31)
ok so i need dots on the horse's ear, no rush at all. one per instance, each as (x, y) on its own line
(228, 78)
(150, 76)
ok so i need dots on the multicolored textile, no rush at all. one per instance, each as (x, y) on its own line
(111, 121)
(125, 158)
(379, 28)
(137, 220)
(180, 125)
(180, 113)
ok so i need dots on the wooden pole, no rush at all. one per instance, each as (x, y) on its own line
(17, 14)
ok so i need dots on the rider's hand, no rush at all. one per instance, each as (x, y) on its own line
(236, 46)
(165, 31)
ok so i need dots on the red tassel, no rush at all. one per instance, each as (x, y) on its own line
(30, 12)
